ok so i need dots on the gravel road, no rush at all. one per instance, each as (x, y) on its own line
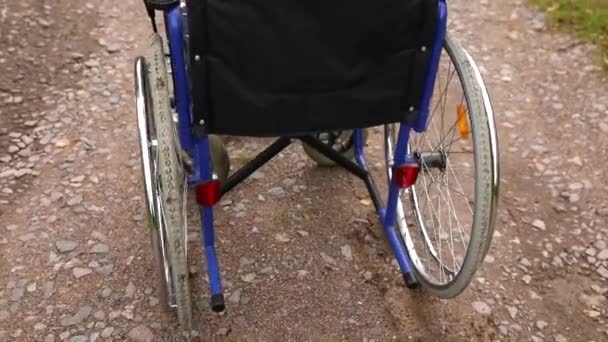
(302, 253)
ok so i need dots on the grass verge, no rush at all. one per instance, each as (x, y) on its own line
(587, 18)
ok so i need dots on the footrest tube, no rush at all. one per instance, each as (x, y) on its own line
(217, 302)
(410, 280)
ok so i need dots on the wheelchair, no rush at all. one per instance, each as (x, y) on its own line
(320, 74)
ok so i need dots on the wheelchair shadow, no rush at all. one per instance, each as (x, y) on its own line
(412, 313)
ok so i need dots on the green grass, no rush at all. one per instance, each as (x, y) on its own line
(588, 18)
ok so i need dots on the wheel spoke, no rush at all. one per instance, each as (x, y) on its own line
(451, 209)
(460, 187)
(450, 130)
(435, 213)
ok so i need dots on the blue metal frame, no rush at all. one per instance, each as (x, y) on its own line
(175, 34)
(388, 214)
(198, 147)
(429, 85)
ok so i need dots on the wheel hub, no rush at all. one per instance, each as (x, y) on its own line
(433, 160)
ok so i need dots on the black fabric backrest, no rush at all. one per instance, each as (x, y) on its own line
(258, 58)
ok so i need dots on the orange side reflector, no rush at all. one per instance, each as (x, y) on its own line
(462, 121)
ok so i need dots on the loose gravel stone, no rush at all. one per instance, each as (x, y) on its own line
(105, 270)
(82, 314)
(77, 179)
(266, 270)
(328, 259)
(603, 271)
(246, 261)
(130, 290)
(107, 332)
(100, 248)
(17, 293)
(106, 292)
(482, 308)
(257, 175)
(235, 297)
(512, 311)
(74, 201)
(98, 236)
(65, 246)
(277, 192)
(8, 173)
(503, 328)
(31, 287)
(592, 313)
(602, 255)
(222, 332)
(114, 314)
(248, 278)
(27, 237)
(245, 299)
(603, 211)
(375, 331)
(539, 224)
(80, 272)
(282, 237)
(541, 324)
(99, 315)
(347, 252)
(141, 333)
(48, 289)
(592, 301)
(153, 301)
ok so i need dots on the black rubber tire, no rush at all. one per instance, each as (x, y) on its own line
(171, 178)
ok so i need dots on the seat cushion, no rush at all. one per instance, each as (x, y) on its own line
(279, 67)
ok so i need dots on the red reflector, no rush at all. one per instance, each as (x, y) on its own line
(208, 193)
(405, 175)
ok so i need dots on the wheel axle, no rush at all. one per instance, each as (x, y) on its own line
(433, 160)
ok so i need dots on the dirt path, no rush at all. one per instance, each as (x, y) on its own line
(75, 261)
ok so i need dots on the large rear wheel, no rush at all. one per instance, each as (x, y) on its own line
(166, 184)
(446, 219)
